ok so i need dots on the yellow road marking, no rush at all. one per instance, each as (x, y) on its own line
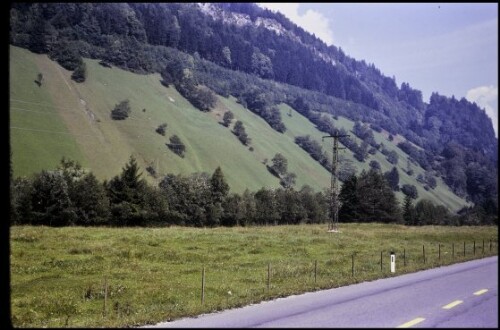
(453, 304)
(411, 323)
(480, 292)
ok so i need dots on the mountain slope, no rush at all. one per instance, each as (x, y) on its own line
(103, 145)
(106, 144)
(263, 59)
(39, 135)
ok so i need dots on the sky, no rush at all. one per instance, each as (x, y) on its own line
(448, 48)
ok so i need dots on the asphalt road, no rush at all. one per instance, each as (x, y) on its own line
(461, 295)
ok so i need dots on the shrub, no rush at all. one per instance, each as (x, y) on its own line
(161, 129)
(121, 110)
(176, 145)
(80, 73)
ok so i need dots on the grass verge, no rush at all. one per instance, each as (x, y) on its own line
(58, 275)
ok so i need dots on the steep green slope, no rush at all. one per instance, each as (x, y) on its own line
(106, 144)
(39, 137)
(298, 125)
(267, 142)
(77, 125)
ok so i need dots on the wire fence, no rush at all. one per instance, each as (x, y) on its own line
(142, 287)
(221, 282)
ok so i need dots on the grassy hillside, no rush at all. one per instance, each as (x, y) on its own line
(39, 134)
(298, 125)
(76, 123)
(105, 144)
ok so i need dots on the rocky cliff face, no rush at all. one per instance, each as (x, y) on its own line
(270, 24)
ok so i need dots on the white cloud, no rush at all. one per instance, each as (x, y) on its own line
(312, 21)
(486, 97)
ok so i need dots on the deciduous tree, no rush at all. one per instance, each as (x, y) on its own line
(121, 110)
(227, 118)
(280, 164)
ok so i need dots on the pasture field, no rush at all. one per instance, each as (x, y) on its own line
(39, 136)
(119, 277)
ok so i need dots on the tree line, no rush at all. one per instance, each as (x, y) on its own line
(69, 196)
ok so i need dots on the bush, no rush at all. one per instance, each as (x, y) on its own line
(80, 73)
(227, 118)
(121, 110)
(375, 165)
(410, 190)
(239, 131)
(176, 145)
(161, 129)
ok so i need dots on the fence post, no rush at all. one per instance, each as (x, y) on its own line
(105, 297)
(474, 250)
(268, 276)
(453, 251)
(490, 245)
(315, 270)
(483, 248)
(464, 249)
(404, 257)
(380, 260)
(352, 266)
(203, 285)
(439, 252)
(423, 252)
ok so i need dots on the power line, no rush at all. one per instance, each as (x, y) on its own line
(334, 208)
(41, 104)
(65, 108)
(48, 131)
(44, 112)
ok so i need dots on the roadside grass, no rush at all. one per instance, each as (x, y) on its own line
(155, 274)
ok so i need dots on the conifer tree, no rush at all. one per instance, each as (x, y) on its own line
(393, 178)
(408, 213)
(219, 186)
(377, 200)
(126, 194)
(349, 200)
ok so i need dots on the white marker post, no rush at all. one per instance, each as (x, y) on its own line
(393, 262)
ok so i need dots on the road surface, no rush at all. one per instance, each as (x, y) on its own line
(460, 295)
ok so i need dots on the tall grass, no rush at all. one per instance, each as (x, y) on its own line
(155, 274)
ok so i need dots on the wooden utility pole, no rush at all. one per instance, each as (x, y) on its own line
(334, 204)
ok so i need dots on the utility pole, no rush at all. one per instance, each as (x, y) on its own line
(334, 204)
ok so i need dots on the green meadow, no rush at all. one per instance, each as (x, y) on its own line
(39, 137)
(120, 277)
